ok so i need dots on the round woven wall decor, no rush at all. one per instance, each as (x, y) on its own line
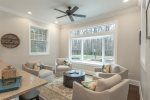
(10, 40)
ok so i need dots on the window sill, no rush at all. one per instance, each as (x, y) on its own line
(88, 63)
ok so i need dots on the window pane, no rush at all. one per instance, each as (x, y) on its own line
(32, 35)
(93, 50)
(76, 49)
(44, 36)
(39, 44)
(36, 36)
(40, 37)
(41, 47)
(109, 46)
(33, 46)
(109, 49)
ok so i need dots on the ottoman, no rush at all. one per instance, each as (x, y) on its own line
(33, 94)
(46, 74)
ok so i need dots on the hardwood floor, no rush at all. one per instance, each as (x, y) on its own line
(133, 93)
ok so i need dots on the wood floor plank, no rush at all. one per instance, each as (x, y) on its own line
(133, 93)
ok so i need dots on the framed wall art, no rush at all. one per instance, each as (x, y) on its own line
(10, 40)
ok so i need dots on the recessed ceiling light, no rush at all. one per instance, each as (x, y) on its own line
(125, 1)
(56, 22)
(29, 12)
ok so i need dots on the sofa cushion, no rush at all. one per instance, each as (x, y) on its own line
(115, 69)
(30, 95)
(89, 84)
(104, 84)
(32, 63)
(60, 61)
(44, 73)
(63, 67)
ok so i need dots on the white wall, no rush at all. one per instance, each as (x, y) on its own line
(145, 55)
(128, 35)
(10, 23)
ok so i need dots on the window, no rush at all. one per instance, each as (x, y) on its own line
(76, 49)
(38, 41)
(93, 46)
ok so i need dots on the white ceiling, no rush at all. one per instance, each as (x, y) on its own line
(43, 9)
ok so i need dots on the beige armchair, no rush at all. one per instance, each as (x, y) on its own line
(61, 67)
(116, 92)
(46, 72)
(115, 69)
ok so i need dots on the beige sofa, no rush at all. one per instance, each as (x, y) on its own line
(115, 69)
(60, 67)
(115, 91)
(45, 73)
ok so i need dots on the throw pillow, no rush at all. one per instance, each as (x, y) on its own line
(106, 68)
(89, 84)
(36, 66)
(41, 66)
(66, 62)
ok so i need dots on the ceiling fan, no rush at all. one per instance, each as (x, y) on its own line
(70, 13)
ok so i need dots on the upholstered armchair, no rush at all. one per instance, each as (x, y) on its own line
(62, 65)
(46, 72)
(117, 92)
(115, 69)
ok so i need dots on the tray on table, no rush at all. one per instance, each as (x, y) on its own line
(12, 86)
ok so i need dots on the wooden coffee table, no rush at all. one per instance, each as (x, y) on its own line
(73, 75)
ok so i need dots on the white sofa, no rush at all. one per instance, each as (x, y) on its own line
(114, 92)
(115, 69)
(45, 73)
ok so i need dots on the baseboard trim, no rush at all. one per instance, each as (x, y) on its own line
(140, 90)
(134, 82)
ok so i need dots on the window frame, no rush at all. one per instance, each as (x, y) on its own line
(82, 47)
(47, 45)
(114, 34)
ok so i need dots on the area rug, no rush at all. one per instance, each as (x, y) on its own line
(56, 91)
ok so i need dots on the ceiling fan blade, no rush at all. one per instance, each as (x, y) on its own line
(79, 15)
(61, 16)
(60, 10)
(71, 18)
(74, 9)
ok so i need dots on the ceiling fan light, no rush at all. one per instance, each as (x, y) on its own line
(29, 13)
(56, 22)
(125, 1)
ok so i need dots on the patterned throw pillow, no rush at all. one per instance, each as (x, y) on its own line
(36, 67)
(106, 68)
(66, 62)
(89, 84)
